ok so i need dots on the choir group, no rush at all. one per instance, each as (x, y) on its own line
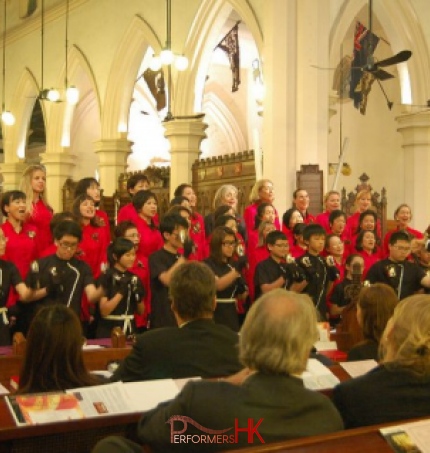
(70, 257)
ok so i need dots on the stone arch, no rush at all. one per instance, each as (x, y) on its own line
(21, 106)
(399, 21)
(126, 63)
(203, 37)
(216, 107)
(80, 74)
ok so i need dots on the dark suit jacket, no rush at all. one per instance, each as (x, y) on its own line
(199, 348)
(382, 396)
(288, 411)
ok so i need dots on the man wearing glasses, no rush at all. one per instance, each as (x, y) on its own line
(405, 277)
(62, 278)
(279, 270)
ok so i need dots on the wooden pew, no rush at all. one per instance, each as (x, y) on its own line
(94, 359)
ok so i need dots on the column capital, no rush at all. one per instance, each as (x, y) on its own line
(12, 174)
(112, 154)
(185, 135)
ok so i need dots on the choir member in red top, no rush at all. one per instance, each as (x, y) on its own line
(261, 192)
(38, 212)
(265, 213)
(331, 203)
(334, 247)
(368, 221)
(301, 203)
(403, 217)
(289, 219)
(226, 195)
(92, 250)
(146, 205)
(128, 230)
(337, 223)
(363, 202)
(197, 230)
(90, 186)
(135, 183)
(299, 247)
(367, 248)
(257, 254)
(21, 247)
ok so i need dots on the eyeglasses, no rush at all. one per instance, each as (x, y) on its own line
(402, 249)
(229, 243)
(132, 236)
(284, 246)
(68, 245)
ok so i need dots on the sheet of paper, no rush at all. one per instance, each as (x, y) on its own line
(318, 377)
(359, 367)
(325, 346)
(146, 395)
(3, 390)
(103, 400)
(419, 432)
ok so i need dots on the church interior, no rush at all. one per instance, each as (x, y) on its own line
(292, 106)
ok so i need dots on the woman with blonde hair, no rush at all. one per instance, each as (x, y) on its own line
(363, 202)
(38, 213)
(261, 192)
(331, 203)
(399, 388)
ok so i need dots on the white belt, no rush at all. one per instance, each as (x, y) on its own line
(3, 311)
(226, 301)
(126, 318)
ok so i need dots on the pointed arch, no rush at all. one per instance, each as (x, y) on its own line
(202, 39)
(401, 26)
(22, 105)
(125, 65)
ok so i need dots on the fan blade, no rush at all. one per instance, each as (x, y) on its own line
(380, 74)
(400, 57)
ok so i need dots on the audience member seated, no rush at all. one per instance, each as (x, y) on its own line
(198, 347)
(403, 217)
(404, 277)
(269, 391)
(53, 358)
(399, 388)
(375, 306)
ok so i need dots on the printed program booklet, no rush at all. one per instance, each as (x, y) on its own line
(409, 438)
(96, 401)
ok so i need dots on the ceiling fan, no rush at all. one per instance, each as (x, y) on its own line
(365, 68)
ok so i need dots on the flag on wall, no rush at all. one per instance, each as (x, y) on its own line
(230, 45)
(364, 41)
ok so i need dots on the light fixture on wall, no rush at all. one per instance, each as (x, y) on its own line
(6, 116)
(168, 58)
(50, 94)
(72, 93)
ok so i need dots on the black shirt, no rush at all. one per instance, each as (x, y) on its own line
(161, 313)
(268, 271)
(9, 276)
(405, 277)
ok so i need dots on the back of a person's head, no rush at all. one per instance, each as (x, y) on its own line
(53, 358)
(278, 333)
(192, 290)
(407, 336)
(376, 303)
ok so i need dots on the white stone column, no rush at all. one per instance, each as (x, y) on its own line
(280, 80)
(12, 175)
(112, 154)
(59, 166)
(185, 136)
(415, 130)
